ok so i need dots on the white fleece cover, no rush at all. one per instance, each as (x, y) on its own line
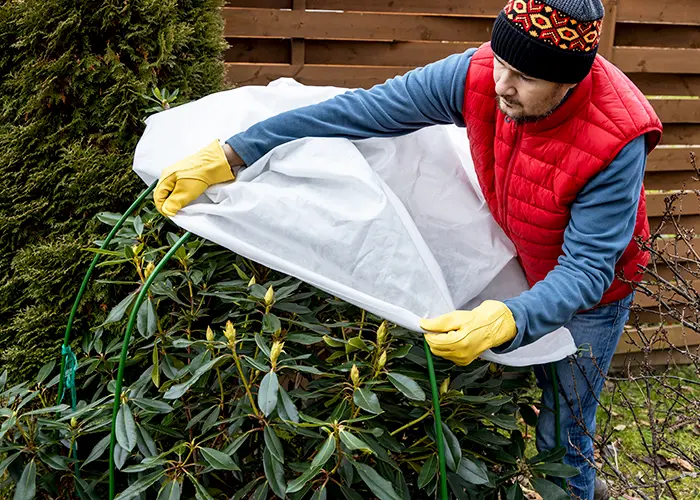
(397, 226)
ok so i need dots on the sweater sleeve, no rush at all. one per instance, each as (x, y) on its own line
(425, 96)
(601, 227)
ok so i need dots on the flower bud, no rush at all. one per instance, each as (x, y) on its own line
(149, 269)
(355, 376)
(74, 422)
(269, 296)
(276, 350)
(230, 332)
(251, 282)
(444, 387)
(210, 334)
(382, 333)
(382, 361)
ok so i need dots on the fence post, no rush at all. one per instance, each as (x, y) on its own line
(607, 38)
(298, 44)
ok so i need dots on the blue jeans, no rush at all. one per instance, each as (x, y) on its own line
(596, 333)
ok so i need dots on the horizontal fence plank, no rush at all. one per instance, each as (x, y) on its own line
(660, 358)
(681, 134)
(259, 50)
(340, 76)
(662, 11)
(338, 26)
(677, 110)
(656, 60)
(665, 11)
(687, 204)
(657, 35)
(666, 84)
(672, 299)
(665, 158)
(407, 54)
(688, 222)
(633, 341)
(671, 180)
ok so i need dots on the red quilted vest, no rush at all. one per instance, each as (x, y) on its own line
(531, 173)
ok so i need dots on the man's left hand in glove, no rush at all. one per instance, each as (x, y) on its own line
(464, 335)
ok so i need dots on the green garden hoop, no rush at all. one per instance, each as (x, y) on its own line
(69, 365)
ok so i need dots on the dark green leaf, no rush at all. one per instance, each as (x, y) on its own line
(178, 390)
(152, 405)
(140, 486)
(7, 462)
(25, 488)
(261, 367)
(473, 472)
(274, 472)
(453, 451)
(138, 225)
(515, 492)
(556, 470)
(233, 447)
(273, 444)
(349, 494)
(427, 472)
(262, 345)
(120, 456)
(548, 490)
(303, 338)
(200, 491)
(117, 313)
(147, 464)
(353, 442)
(268, 392)
(407, 386)
(552, 455)
(57, 462)
(44, 371)
(528, 414)
(271, 323)
(367, 400)
(319, 494)
(317, 464)
(304, 369)
(218, 459)
(379, 486)
(260, 493)
(125, 428)
(50, 409)
(289, 408)
(171, 490)
(145, 442)
(146, 321)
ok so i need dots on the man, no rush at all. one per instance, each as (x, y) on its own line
(559, 139)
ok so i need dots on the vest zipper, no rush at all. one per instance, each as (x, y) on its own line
(506, 180)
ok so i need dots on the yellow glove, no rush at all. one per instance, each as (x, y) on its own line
(187, 179)
(469, 333)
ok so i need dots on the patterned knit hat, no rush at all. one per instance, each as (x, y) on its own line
(554, 40)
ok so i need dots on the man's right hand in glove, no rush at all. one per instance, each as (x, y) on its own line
(187, 179)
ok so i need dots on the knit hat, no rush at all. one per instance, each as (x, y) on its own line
(554, 40)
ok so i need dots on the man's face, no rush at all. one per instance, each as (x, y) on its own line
(523, 98)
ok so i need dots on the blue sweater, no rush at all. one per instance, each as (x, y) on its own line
(602, 217)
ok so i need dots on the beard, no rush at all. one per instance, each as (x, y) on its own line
(515, 110)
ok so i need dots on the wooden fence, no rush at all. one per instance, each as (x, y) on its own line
(359, 43)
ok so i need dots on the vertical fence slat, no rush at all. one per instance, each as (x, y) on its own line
(607, 37)
(298, 44)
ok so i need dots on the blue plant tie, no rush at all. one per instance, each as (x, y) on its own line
(71, 364)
